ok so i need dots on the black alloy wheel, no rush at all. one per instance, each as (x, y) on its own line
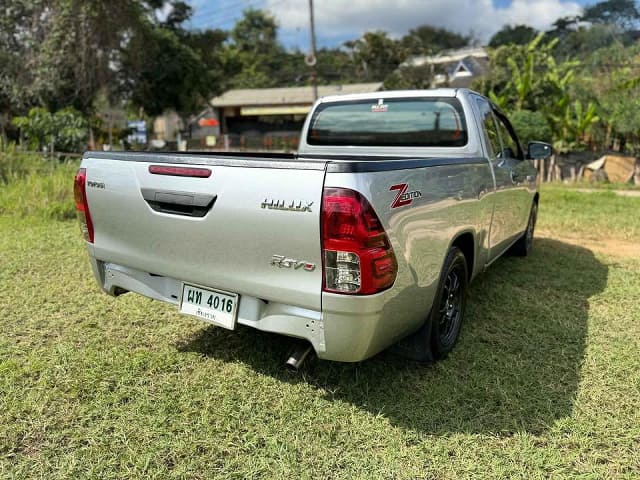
(448, 307)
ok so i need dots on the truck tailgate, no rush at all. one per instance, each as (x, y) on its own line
(220, 232)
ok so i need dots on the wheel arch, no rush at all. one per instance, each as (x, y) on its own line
(466, 242)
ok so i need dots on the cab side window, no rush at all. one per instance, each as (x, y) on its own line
(489, 127)
(509, 144)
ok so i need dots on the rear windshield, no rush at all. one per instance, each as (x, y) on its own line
(415, 122)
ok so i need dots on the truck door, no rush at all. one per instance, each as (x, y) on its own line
(521, 171)
(504, 218)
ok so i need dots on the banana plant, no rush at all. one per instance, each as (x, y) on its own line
(500, 100)
(575, 123)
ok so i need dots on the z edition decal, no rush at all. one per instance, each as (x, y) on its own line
(403, 198)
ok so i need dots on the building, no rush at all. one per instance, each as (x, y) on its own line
(454, 68)
(167, 127)
(203, 130)
(271, 118)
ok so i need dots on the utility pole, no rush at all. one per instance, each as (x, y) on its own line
(313, 60)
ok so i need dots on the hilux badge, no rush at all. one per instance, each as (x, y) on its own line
(292, 206)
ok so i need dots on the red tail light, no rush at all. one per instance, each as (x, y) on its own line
(82, 207)
(357, 255)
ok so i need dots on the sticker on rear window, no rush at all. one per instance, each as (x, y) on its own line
(380, 106)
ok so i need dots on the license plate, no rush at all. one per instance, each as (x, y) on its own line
(219, 308)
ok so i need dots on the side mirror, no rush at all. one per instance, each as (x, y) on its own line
(539, 150)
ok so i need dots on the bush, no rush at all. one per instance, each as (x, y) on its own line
(66, 129)
(530, 126)
(15, 165)
(34, 186)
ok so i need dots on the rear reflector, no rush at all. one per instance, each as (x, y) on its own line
(82, 206)
(357, 255)
(180, 171)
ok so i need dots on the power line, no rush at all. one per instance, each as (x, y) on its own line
(228, 13)
(231, 7)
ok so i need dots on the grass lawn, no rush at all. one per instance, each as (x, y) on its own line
(600, 215)
(544, 383)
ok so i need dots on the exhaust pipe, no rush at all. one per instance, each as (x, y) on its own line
(298, 356)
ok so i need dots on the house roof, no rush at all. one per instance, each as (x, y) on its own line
(287, 95)
(451, 56)
(474, 65)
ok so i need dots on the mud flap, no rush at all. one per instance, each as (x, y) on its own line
(416, 346)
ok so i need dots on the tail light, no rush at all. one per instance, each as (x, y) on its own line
(357, 255)
(82, 207)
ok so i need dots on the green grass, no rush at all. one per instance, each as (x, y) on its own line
(36, 187)
(589, 215)
(544, 383)
(596, 185)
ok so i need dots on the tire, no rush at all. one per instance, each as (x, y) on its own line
(439, 333)
(524, 244)
(447, 310)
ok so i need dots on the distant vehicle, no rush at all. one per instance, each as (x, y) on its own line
(368, 236)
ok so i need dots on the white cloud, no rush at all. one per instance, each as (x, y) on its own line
(337, 19)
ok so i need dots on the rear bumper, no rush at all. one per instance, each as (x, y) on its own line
(349, 329)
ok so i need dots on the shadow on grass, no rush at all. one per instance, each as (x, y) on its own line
(516, 366)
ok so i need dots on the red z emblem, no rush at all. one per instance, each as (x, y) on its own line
(403, 197)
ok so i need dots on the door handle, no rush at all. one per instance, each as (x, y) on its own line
(178, 203)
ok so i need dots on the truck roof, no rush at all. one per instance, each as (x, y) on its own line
(437, 92)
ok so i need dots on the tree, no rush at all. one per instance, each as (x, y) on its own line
(375, 55)
(255, 33)
(622, 13)
(159, 73)
(428, 40)
(68, 54)
(334, 66)
(513, 35)
(528, 78)
(409, 77)
(179, 13)
(612, 83)
(77, 49)
(254, 58)
(208, 45)
(583, 40)
(530, 126)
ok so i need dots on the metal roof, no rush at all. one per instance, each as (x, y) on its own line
(287, 95)
(435, 92)
(447, 57)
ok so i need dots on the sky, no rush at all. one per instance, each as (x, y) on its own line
(341, 20)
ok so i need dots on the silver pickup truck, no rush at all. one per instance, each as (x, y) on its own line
(367, 237)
